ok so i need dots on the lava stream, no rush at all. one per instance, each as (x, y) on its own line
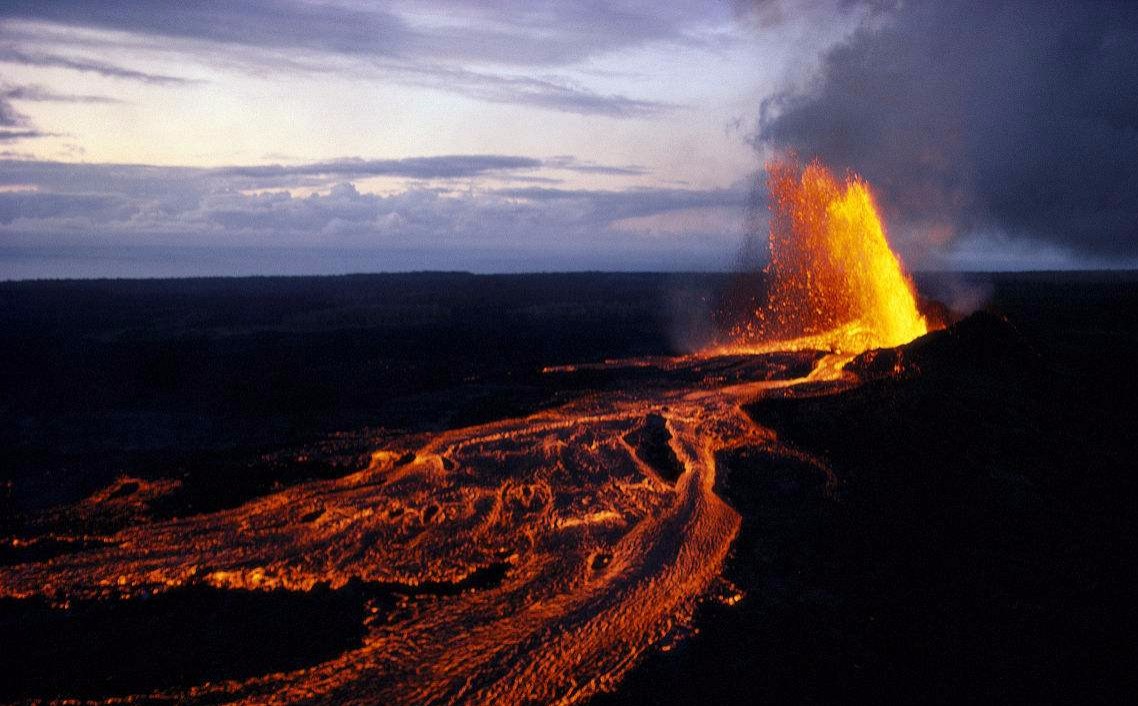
(544, 495)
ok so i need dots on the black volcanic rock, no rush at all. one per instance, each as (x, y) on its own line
(97, 649)
(983, 342)
(972, 546)
(650, 440)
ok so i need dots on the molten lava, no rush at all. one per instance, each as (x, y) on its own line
(536, 558)
(834, 283)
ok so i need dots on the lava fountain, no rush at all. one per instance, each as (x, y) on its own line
(834, 282)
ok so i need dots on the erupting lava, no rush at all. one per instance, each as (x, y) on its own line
(834, 283)
(531, 559)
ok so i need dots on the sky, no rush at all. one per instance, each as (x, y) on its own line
(321, 136)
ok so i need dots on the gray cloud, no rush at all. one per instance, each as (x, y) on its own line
(9, 135)
(303, 36)
(572, 164)
(63, 205)
(549, 93)
(552, 32)
(608, 206)
(96, 208)
(14, 125)
(284, 24)
(774, 13)
(9, 116)
(546, 93)
(151, 181)
(1010, 117)
(443, 167)
(40, 94)
(515, 32)
(15, 56)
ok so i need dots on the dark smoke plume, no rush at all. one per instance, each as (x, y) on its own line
(1016, 119)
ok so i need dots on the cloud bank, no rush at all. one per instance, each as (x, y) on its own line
(61, 205)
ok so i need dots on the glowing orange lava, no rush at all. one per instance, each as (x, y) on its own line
(835, 284)
(597, 554)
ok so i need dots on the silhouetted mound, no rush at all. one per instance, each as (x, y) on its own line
(974, 547)
(983, 343)
(184, 637)
(489, 576)
(651, 443)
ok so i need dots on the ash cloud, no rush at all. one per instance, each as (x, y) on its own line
(1010, 118)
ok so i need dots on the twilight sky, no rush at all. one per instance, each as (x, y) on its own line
(303, 136)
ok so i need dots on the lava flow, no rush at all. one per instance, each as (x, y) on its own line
(531, 559)
(535, 558)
